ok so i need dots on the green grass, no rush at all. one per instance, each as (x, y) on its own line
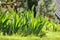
(49, 36)
(24, 23)
(28, 27)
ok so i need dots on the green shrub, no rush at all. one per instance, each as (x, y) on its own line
(23, 24)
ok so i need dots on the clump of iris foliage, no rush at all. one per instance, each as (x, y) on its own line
(25, 24)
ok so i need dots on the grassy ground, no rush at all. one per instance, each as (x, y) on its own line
(50, 36)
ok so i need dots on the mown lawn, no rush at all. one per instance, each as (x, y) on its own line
(50, 36)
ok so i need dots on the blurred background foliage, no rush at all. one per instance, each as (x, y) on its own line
(44, 7)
